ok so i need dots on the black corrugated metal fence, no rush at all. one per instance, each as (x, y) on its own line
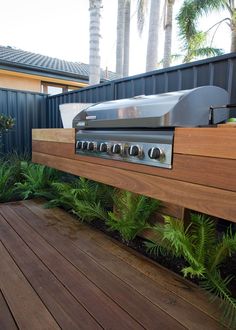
(35, 110)
(29, 111)
(219, 71)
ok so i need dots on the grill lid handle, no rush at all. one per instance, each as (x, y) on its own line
(218, 107)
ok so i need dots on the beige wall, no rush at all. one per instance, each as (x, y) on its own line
(22, 83)
(30, 82)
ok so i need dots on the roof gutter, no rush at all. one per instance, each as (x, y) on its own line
(31, 69)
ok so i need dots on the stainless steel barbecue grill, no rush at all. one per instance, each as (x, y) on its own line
(141, 129)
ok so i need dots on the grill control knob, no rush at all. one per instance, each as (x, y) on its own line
(84, 145)
(134, 150)
(156, 153)
(103, 147)
(116, 149)
(79, 145)
(91, 146)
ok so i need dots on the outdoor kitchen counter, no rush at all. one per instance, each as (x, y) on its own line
(203, 177)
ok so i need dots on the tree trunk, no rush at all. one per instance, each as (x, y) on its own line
(94, 32)
(120, 35)
(126, 39)
(168, 32)
(233, 31)
(152, 47)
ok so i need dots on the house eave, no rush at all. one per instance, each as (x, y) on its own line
(32, 70)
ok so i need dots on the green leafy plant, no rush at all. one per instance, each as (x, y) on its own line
(37, 179)
(9, 174)
(86, 199)
(6, 123)
(204, 251)
(131, 214)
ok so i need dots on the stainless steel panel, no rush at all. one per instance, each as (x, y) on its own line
(180, 108)
(125, 140)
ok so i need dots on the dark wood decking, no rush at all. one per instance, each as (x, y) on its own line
(57, 273)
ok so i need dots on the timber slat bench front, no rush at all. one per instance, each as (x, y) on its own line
(203, 177)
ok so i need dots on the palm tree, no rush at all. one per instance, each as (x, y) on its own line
(193, 9)
(152, 46)
(169, 4)
(123, 34)
(94, 32)
(120, 36)
(126, 38)
(196, 48)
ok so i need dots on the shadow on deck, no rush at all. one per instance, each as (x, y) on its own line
(57, 273)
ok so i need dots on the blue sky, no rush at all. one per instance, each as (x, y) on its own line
(59, 28)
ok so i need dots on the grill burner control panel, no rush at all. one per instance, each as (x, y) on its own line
(157, 152)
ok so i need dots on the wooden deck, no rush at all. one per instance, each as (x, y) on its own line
(56, 273)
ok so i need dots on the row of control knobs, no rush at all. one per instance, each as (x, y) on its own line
(133, 150)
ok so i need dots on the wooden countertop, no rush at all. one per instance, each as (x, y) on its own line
(203, 177)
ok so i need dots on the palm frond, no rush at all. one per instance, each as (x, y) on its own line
(218, 287)
(88, 211)
(202, 53)
(36, 178)
(181, 241)
(131, 213)
(9, 174)
(81, 197)
(204, 236)
(223, 249)
(191, 10)
(159, 248)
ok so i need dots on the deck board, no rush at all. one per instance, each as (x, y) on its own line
(21, 297)
(63, 306)
(71, 265)
(6, 319)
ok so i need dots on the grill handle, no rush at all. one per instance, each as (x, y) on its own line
(212, 109)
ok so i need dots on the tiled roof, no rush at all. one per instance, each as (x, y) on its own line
(33, 61)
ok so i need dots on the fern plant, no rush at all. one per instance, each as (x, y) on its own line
(37, 179)
(87, 199)
(9, 174)
(131, 214)
(204, 251)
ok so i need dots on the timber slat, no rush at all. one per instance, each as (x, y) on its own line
(217, 202)
(66, 135)
(51, 250)
(104, 310)
(6, 319)
(68, 226)
(63, 306)
(209, 142)
(21, 298)
(76, 250)
(186, 168)
(112, 285)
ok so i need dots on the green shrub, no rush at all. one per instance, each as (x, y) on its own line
(204, 251)
(36, 180)
(6, 123)
(131, 214)
(10, 173)
(87, 199)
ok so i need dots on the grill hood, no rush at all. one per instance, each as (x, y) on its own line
(180, 108)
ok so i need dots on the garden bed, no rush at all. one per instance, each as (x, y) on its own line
(172, 263)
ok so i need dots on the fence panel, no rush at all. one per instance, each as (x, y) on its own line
(219, 71)
(35, 110)
(29, 111)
